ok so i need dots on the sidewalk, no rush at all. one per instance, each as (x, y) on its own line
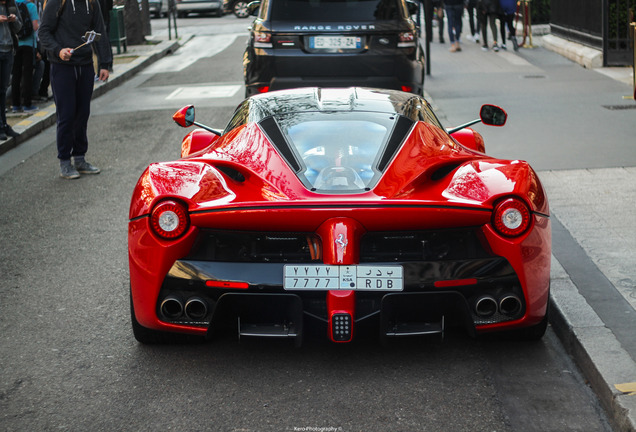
(593, 277)
(125, 66)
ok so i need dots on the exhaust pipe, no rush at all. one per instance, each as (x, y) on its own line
(485, 307)
(510, 305)
(196, 308)
(171, 307)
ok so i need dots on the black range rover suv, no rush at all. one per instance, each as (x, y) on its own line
(334, 43)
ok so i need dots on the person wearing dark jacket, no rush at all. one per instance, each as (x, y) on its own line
(9, 25)
(488, 12)
(62, 32)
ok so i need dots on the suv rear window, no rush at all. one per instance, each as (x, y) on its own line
(326, 10)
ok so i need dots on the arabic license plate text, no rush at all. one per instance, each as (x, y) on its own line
(355, 277)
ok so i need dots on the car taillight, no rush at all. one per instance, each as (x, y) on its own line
(262, 40)
(169, 219)
(511, 217)
(406, 39)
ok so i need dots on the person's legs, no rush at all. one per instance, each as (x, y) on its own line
(492, 19)
(6, 64)
(83, 95)
(16, 78)
(484, 29)
(26, 84)
(63, 83)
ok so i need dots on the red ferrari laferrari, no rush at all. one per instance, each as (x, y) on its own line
(338, 210)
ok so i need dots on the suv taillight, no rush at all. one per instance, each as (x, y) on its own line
(406, 39)
(262, 40)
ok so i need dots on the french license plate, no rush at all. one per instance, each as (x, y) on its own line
(331, 277)
(335, 42)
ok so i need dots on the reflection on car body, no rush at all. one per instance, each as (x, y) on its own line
(341, 210)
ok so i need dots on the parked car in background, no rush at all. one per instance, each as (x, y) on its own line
(158, 8)
(238, 8)
(185, 7)
(334, 43)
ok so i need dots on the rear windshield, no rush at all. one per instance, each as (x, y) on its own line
(339, 151)
(334, 10)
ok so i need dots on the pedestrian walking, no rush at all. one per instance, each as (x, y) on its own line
(473, 20)
(488, 11)
(438, 14)
(10, 24)
(24, 60)
(508, 11)
(454, 14)
(69, 48)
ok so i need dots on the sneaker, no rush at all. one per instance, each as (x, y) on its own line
(476, 39)
(9, 131)
(84, 167)
(67, 171)
(515, 44)
(504, 47)
(30, 109)
(495, 48)
(484, 47)
(16, 109)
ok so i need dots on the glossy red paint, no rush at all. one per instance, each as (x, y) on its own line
(240, 182)
(468, 138)
(196, 141)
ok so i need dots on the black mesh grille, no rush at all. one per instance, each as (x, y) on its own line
(438, 245)
(239, 246)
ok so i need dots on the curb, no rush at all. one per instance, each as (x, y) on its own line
(33, 125)
(595, 349)
(587, 57)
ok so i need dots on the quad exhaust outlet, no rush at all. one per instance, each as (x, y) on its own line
(487, 306)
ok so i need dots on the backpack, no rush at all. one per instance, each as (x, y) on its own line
(27, 23)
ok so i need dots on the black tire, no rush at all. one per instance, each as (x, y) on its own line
(239, 9)
(535, 332)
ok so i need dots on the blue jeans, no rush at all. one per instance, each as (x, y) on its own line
(454, 15)
(6, 64)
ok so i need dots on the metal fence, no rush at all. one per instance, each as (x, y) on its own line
(601, 24)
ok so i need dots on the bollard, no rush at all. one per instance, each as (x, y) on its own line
(633, 26)
(527, 24)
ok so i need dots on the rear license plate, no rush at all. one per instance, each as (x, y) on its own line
(355, 277)
(335, 42)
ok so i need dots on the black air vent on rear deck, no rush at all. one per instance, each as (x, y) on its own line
(231, 173)
(402, 127)
(442, 172)
(276, 137)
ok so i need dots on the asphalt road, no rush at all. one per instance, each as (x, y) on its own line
(69, 360)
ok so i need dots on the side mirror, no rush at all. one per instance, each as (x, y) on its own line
(185, 116)
(492, 115)
(252, 7)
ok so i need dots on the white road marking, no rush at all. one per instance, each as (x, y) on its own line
(205, 92)
(197, 48)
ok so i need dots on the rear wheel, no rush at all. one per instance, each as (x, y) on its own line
(240, 9)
